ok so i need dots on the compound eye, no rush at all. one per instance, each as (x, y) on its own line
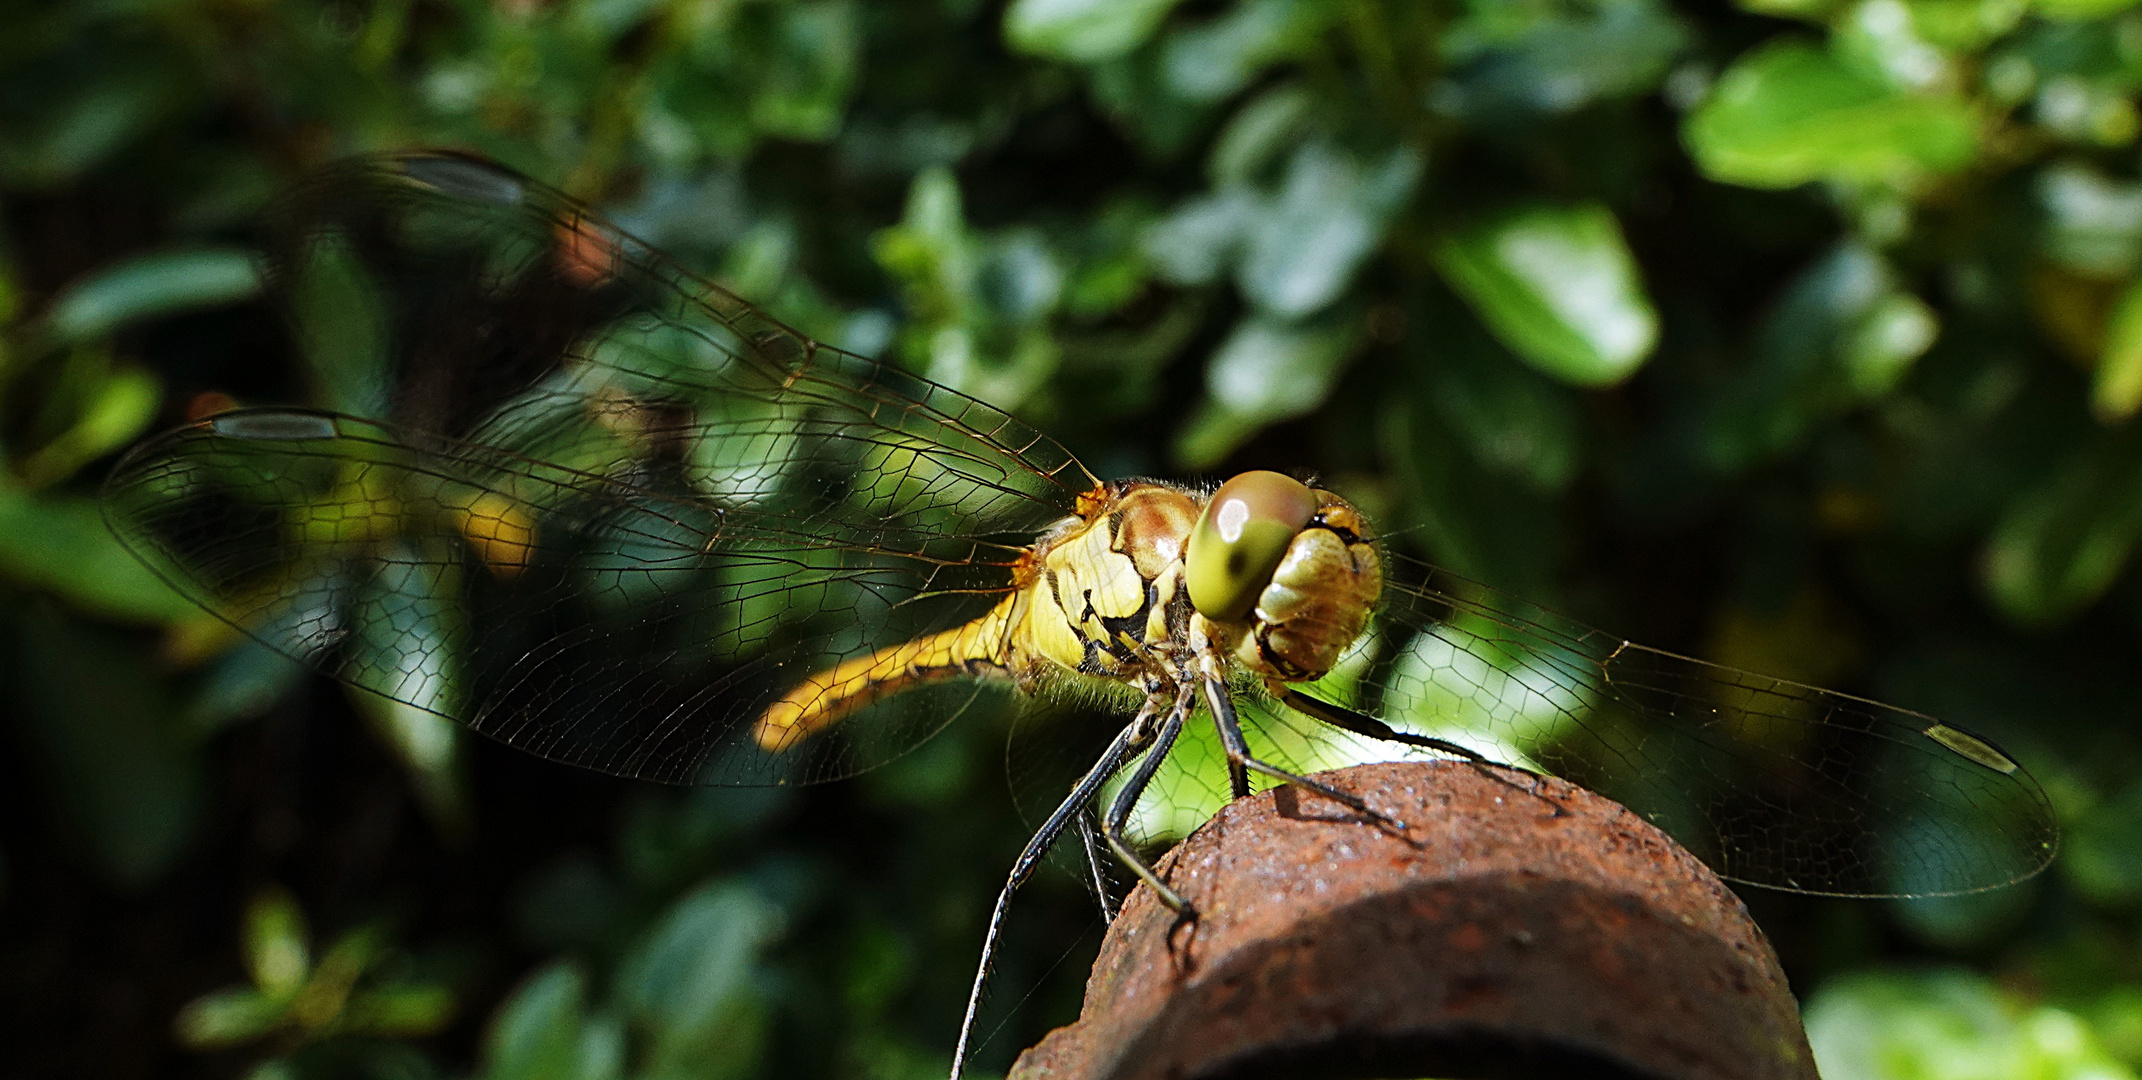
(1240, 540)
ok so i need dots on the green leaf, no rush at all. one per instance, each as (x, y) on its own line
(1214, 59)
(2116, 392)
(1301, 251)
(1879, 349)
(1966, 25)
(59, 543)
(810, 70)
(2093, 224)
(2059, 545)
(118, 411)
(152, 286)
(1558, 285)
(2080, 10)
(1200, 240)
(1265, 371)
(1951, 1024)
(278, 950)
(1082, 31)
(1475, 522)
(400, 1012)
(1259, 134)
(2102, 856)
(1514, 420)
(543, 1033)
(1880, 37)
(1790, 113)
(71, 117)
(689, 981)
(342, 325)
(1843, 334)
(228, 1018)
(1558, 64)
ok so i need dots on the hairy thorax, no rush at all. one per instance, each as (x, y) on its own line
(1105, 595)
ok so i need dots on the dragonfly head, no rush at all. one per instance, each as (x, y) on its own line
(1286, 574)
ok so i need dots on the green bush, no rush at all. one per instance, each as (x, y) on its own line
(1803, 336)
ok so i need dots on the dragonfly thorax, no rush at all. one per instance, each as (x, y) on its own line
(1271, 574)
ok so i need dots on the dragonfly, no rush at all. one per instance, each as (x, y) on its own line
(598, 508)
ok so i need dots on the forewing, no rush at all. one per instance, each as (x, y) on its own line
(576, 498)
(1770, 782)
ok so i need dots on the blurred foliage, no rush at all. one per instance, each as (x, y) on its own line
(1801, 334)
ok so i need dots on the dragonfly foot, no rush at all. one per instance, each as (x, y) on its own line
(1348, 800)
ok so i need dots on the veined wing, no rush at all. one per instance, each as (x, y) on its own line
(579, 499)
(1770, 782)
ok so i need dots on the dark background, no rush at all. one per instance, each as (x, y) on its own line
(1800, 336)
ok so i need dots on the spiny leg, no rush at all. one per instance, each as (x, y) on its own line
(1086, 843)
(1223, 716)
(1134, 736)
(1362, 724)
(1127, 799)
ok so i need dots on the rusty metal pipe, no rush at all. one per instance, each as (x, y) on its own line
(1520, 926)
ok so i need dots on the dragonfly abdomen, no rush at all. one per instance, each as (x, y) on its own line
(977, 648)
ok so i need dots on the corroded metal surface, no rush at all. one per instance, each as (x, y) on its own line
(1519, 926)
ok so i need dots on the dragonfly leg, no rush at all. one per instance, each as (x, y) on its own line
(1223, 715)
(1361, 724)
(1127, 800)
(1092, 847)
(1134, 735)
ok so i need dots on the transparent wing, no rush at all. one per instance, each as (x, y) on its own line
(576, 498)
(1770, 782)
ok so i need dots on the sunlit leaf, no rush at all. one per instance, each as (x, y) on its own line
(153, 286)
(2093, 223)
(809, 70)
(1302, 248)
(2060, 544)
(1844, 333)
(1559, 286)
(538, 1034)
(1945, 1023)
(228, 1018)
(59, 543)
(1199, 241)
(1964, 24)
(278, 949)
(1790, 113)
(1214, 59)
(1557, 64)
(1265, 371)
(688, 981)
(118, 411)
(1086, 31)
(1881, 36)
(2116, 392)
(1881, 346)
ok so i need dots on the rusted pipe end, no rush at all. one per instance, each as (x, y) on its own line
(1520, 926)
